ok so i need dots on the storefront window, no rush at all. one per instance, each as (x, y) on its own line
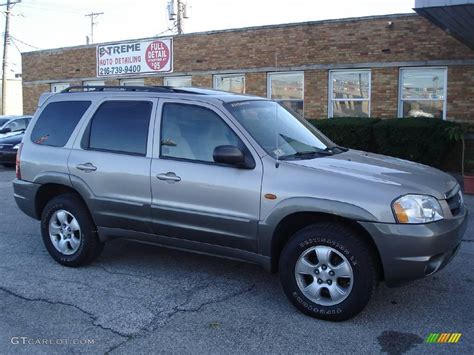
(423, 92)
(232, 83)
(349, 93)
(178, 81)
(287, 88)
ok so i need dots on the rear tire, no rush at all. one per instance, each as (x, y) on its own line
(68, 231)
(327, 271)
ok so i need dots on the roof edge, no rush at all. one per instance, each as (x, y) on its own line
(239, 29)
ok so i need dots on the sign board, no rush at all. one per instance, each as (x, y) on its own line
(137, 57)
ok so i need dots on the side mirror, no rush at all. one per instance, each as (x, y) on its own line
(5, 130)
(228, 154)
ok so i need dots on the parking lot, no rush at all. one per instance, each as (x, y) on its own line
(139, 298)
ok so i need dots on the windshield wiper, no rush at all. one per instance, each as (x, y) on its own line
(305, 154)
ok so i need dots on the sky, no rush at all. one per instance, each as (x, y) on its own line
(43, 24)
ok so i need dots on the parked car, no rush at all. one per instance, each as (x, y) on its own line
(12, 124)
(10, 142)
(236, 176)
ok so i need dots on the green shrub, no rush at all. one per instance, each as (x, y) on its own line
(424, 140)
(355, 133)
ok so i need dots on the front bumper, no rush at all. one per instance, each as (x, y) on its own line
(409, 252)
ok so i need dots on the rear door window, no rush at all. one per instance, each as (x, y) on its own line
(120, 127)
(57, 121)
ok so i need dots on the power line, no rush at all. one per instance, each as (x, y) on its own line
(24, 43)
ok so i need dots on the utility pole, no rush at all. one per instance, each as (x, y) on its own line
(179, 18)
(93, 16)
(179, 14)
(6, 44)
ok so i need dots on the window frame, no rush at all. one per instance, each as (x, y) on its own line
(85, 140)
(66, 85)
(331, 100)
(166, 78)
(269, 87)
(159, 133)
(400, 88)
(93, 83)
(217, 77)
(141, 80)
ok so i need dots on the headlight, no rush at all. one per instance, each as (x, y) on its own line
(417, 209)
(17, 146)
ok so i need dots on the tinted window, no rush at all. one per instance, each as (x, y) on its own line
(57, 121)
(3, 121)
(121, 126)
(193, 132)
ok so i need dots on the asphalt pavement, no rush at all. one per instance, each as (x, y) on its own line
(139, 298)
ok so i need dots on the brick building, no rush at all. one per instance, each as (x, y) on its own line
(380, 66)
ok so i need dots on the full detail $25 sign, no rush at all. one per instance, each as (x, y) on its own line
(137, 57)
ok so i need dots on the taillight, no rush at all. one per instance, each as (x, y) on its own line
(18, 155)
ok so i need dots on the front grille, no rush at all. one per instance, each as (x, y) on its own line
(455, 203)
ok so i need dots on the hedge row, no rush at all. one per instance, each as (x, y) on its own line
(423, 140)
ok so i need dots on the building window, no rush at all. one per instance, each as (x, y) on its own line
(132, 82)
(422, 92)
(58, 87)
(178, 81)
(231, 82)
(287, 88)
(349, 93)
(93, 83)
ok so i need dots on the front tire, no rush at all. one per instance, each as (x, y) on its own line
(68, 231)
(327, 271)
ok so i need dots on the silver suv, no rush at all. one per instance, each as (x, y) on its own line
(235, 176)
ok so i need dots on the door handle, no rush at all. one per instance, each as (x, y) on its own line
(87, 167)
(169, 176)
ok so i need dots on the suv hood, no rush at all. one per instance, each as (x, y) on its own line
(410, 177)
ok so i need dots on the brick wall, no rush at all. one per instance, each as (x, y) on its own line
(460, 101)
(330, 44)
(316, 93)
(384, 92)
(202, 81)
(256, 84)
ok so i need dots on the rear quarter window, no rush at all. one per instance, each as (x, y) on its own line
(57, 121)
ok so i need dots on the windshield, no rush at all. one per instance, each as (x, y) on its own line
(278, 131)
(3, 121)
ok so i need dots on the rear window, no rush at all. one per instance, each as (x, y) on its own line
(57, 121)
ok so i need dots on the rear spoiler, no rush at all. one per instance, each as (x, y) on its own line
(44, 97)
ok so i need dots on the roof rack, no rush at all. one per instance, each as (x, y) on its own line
(101, 88)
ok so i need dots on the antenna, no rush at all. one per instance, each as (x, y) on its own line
(171, 11)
